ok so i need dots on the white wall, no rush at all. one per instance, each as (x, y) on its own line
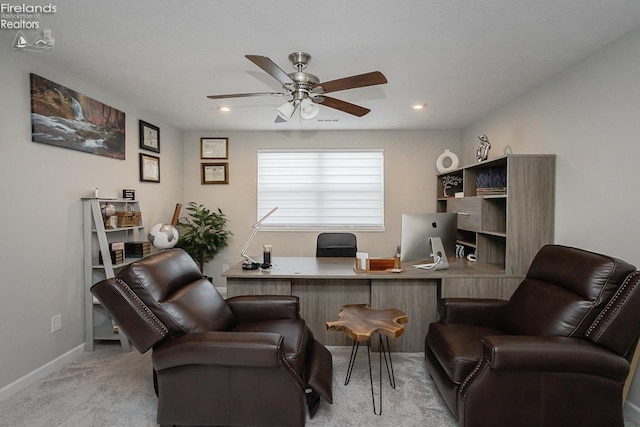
(41, 216)
(410, 185)
(589, 116)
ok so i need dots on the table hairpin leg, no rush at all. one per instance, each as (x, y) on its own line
(392, 376)
(352, 359)
(389, 364)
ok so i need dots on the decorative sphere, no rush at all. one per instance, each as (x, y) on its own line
(163, 236)
(108, 210)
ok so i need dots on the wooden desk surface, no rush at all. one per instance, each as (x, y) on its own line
(343, 268)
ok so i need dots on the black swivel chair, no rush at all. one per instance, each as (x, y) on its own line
(336, 245)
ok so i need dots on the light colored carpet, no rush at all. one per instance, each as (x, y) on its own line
(113, 388)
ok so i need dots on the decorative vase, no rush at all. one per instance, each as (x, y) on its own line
(448, 156)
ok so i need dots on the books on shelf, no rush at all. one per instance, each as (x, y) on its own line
(117, 256)
(137, 249)
(491, 191)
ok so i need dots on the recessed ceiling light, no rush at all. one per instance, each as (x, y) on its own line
(418, 106)
(224, 108)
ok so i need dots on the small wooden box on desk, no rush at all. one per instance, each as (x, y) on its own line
(378, 264)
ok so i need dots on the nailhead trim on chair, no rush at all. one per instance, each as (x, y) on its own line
(462, 392)
(618, 299)
(290, 369)
(141, 307)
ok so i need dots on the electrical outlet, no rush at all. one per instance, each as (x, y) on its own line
(56, 323)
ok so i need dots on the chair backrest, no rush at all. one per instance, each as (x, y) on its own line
(575, 293)
(336, 245)
(161, 296)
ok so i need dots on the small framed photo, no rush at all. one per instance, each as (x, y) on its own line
(214, 148)
(149, 137)
(215, 173)
(149, 168)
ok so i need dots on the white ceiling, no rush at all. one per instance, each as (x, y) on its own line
(463, 58)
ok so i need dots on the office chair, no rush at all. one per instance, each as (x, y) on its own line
(336, 245)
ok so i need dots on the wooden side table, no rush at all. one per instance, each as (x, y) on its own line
(359, 322)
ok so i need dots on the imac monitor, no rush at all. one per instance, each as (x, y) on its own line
(417, 229)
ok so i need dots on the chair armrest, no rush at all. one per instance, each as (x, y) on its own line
(484, 312)
(255, 349)
(552, 354)
(258, 308)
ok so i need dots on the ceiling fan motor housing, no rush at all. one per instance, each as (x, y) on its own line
(304, 83)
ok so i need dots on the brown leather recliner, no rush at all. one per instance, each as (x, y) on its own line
(556, 354)
(247, 360)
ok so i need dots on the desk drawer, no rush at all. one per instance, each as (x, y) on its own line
(469, 210)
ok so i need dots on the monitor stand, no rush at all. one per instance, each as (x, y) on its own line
(438, 253)
(440, 261)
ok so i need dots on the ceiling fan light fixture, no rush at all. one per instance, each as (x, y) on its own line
(224, 108)
(285, 111)
(308, 109)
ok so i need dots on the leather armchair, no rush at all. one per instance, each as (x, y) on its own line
(247, 360)
(556, 354)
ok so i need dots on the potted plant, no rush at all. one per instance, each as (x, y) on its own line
(203, 233)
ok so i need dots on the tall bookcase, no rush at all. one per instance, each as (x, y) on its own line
(99, 326)
(504, 225)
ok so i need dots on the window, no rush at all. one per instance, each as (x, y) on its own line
(322, 189)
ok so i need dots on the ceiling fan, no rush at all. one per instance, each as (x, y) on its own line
(306, 90)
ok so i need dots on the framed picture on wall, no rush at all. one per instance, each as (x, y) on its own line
(215, 173)
(149, 168)
(214, 148)
(149, 137)
(62, 117)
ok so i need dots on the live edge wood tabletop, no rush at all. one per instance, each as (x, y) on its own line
(360, 321)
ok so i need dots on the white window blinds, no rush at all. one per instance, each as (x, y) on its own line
(322, 189)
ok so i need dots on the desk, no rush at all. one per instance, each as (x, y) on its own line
(326, 284)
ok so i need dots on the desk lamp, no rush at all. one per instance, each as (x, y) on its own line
(249, 263)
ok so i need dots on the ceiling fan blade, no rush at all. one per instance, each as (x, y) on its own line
(271, 68)
(244, 95)
(345, 106)
(361, 80)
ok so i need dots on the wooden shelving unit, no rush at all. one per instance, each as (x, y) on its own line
(508, 229)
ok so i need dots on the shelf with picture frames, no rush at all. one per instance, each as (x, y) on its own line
(505, 208)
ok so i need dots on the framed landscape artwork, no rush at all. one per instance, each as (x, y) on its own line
(65, 118)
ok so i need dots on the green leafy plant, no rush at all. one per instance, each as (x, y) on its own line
(203, 233)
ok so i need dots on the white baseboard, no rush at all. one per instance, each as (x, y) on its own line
(40, 372)
(631, 412)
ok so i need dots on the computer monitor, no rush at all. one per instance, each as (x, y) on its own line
(419, 227)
